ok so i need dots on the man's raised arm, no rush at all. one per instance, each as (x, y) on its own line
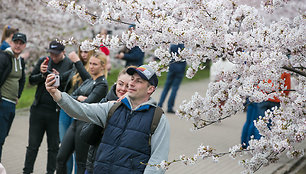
(95, 113)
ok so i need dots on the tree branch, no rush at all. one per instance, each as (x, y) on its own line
(207, 123)
(300, 67)
(302, 73)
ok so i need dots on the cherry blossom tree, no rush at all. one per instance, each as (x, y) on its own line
(260, 46)
(41, 24)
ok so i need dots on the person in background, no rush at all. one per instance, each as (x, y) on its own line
(254, 110)
(92, 133)
(7, 35)
(12, 80)
(127, 140)
(91, 91)
(174, 78)
(81, 62)
(105, 50)
(44, 112)
(133, 56)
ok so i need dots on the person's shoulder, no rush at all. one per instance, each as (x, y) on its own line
(101, 79)
(4, 45)
(2, 53)
(67, 60)
(4, 56)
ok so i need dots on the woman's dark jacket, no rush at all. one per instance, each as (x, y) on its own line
(94, 90)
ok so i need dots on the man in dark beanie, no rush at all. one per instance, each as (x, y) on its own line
(12, 79)
(44, 112)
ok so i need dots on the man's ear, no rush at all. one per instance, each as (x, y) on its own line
(151, 89)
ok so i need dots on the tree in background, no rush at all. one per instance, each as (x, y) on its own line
(42, 24)
(261, 45)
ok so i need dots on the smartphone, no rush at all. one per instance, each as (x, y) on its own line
(57, 81)
(47, 61)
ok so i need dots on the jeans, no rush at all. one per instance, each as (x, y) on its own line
(7, 114)
(72, 142)
(263, 106)
(247, 128)
(254, 110)
(174, 79)
(64, 123)
(42, 119)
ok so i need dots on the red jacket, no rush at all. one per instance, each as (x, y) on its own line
(286, 77)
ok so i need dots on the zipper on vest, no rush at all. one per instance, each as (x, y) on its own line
(128, 120)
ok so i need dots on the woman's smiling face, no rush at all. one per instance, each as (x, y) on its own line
(122, 84)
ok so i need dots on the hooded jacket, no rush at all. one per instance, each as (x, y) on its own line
(6, 58)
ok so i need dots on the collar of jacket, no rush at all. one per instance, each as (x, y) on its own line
(143, 106)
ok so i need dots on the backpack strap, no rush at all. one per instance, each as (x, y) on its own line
(156, 117)
(111, 112)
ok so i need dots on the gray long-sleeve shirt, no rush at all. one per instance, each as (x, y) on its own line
(97, 113)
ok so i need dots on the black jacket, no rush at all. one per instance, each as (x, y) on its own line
(65, 69)
(94, 90)
(78, 68)
(111, 95)
(134, 57)
(6, 68)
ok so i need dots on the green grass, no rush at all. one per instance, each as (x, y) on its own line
(28, 93)
(27, 96)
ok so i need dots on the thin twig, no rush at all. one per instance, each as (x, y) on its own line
(212, 122)
(240, 23)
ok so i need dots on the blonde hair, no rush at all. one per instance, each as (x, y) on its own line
(7, 31)
(103, 60)
(77, 78)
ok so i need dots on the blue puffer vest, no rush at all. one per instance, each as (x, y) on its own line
(125, 142)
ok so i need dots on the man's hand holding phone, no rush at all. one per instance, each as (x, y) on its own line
(57, 80)
(51, 88)
(44, 66)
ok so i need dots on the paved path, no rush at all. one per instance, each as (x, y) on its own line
(220, 136)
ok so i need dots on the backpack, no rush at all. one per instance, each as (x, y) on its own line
(92, 133)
